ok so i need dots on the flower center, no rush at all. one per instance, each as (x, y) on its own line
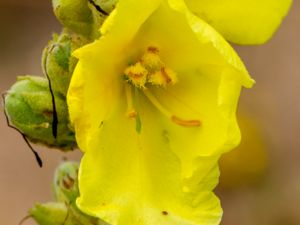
(150, 70)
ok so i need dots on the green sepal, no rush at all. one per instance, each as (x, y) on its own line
(28, 105)
(52, 213)
(59, 213)
(57, 62)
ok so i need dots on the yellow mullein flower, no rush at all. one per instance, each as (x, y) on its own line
(153, 104)
(242, 21)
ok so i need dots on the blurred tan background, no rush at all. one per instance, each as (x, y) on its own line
(261, 180)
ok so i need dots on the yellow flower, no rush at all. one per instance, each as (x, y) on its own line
(242, 21)
(153, 104)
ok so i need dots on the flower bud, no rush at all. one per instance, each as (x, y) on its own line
(66, 191)
(65, 184)
(57, 62)
(50, 213)
(82, 16)
(59, 213)
(74, 15)
(28, 105)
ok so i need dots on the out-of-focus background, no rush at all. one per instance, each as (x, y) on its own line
(260, 183)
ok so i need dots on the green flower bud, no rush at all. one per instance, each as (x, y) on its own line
(28, 105)
(50, 213)
(57, 62)
(65, 210)
(65, 184)
(75, 15)
(81, 16)
(58, 213)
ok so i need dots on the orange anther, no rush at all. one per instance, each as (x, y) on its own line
(186, 123)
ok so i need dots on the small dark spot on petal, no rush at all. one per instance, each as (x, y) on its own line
(101, 124)
(165, 135)
(165, 213)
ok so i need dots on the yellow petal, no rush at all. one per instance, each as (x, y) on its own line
(242, 21)
(92, 95)
(210, 76)
(191, 42)
(90, 106)
(211, 101)
(130, 178)
(165, 173)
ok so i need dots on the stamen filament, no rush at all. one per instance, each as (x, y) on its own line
(138, 122)
(131, 112)
(164, 111)
(157, 104)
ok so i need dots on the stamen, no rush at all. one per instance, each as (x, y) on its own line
(132, 107)
(186, 123)
(131, 112)
(137, 74)
(138, 122)
(153, 49)
(150, 69)
(151, 61)
(164, 111)
(163, 77)
(157, 104)
(166, 75)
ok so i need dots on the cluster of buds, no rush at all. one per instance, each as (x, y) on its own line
(36, 106)
(64, 209)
